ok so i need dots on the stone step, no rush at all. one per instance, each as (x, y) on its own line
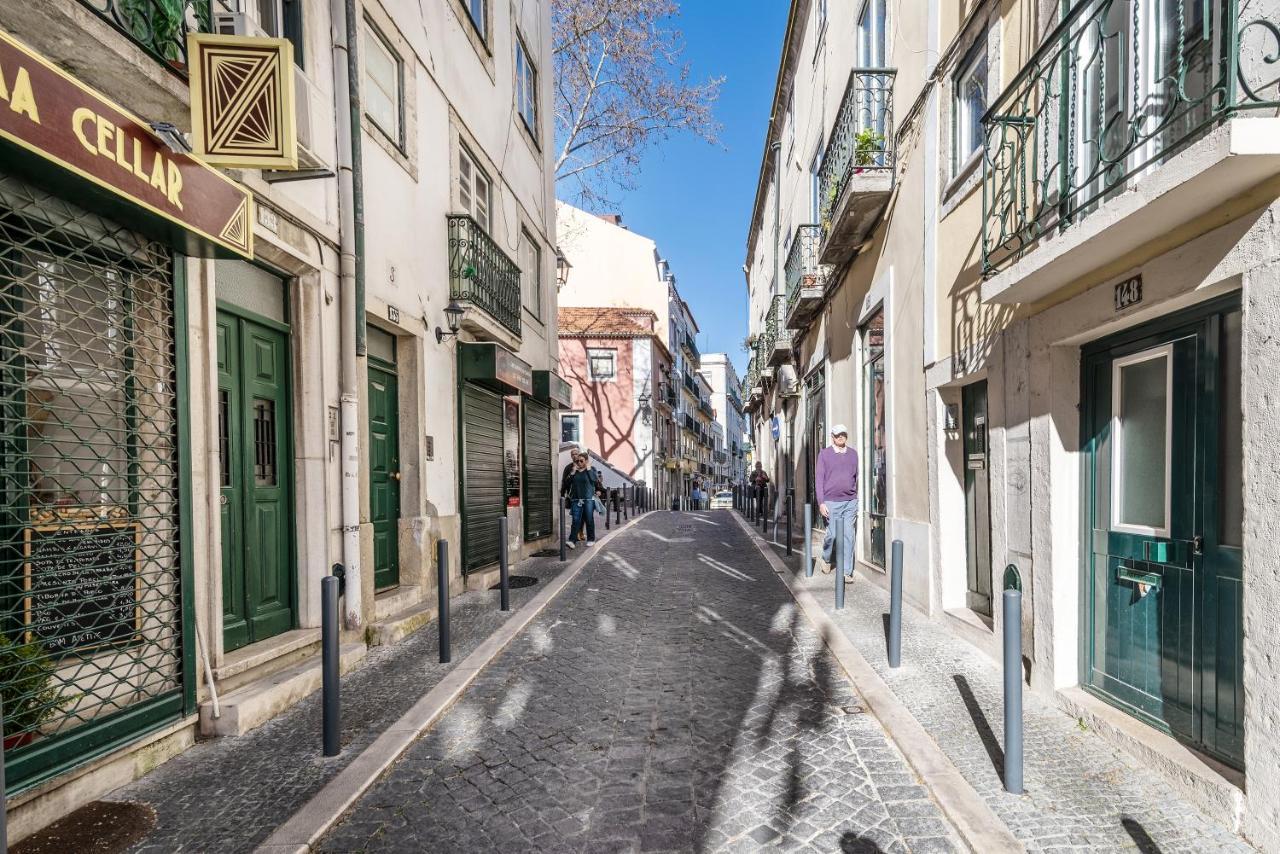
(392, 602)
(396, 628)
(259, 701)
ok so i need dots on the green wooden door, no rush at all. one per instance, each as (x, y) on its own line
(255, 480)
(977, 498)
(384, 474)
(538, 492)
(1163, 601)
(483, 489)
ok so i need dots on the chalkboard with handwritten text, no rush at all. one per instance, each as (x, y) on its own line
(81, 585)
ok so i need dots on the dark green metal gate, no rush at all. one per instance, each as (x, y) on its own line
(538, 492)
(483, 490)
(92, 645)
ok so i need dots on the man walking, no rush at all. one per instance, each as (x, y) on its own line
(760, 487)
(580, 486)
(836, 485)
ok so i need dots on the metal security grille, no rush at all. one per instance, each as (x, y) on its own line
(90, 644)
(538, 491)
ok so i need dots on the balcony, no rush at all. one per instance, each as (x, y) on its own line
(858, 164)
(159, 27)
(1082, 165)
(481, 274)
(706, 408)
(806, 278)
(776, 340)
(689, 345)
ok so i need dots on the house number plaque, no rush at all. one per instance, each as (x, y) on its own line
(1128, 292)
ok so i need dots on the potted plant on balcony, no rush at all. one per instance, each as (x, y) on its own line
(867, 144)
(26, 685)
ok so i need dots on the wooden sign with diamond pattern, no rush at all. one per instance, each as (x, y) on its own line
(242, 111)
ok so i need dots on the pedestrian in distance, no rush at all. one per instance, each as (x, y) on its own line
(581, 487)
(836, 486)
(760, 486)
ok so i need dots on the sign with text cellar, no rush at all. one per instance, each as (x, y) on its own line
(55, 117)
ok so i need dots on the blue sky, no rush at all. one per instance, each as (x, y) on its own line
(695, 199)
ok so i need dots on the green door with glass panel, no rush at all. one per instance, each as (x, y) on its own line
(384, 473)
(1163, 601)
(256, 480)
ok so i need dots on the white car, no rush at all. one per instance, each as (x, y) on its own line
(722, 500)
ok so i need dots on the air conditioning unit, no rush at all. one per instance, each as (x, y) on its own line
(236, 24)
(307, 106)
(788, 381)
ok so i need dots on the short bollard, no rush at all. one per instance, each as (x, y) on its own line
(442, 598)
(624, 502)
(1013, 691)
(331, 725)
(607, 499)
(790, 498)
(895, 606)
(504, 577)
(808, 539)
(835, 565)
(617, 510)
(764, 511)
(563, 556)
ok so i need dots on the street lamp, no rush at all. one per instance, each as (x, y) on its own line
(453, 314)
(562, 269)
(645, 407)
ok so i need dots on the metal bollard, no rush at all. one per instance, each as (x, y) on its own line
(4, 801)
(808, 540)
(617, 510)
(1013, 691)
(895, 606)
(442, 598)
(607, 498)
(835, 565)
(790, 498)
(563, 556)
(331, 725)
(504, 576)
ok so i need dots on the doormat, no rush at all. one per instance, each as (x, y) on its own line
(515, 582)
(102, 827)
(546, 553)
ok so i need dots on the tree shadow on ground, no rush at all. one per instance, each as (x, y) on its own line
(985, 733)
(852, 843)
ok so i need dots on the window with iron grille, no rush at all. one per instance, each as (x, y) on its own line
(602, 364)
(91, 637)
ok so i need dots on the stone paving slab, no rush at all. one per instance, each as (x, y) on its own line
(1081, 792)
(229, 794)
(673, 698)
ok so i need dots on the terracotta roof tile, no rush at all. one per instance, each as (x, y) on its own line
(606, 320)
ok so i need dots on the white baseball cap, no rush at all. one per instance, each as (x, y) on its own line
(837, 429)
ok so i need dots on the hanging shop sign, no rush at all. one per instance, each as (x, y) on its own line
(52, 118)
(551, 388)
(495, 368)
(242, 110)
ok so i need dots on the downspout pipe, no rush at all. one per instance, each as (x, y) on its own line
(346, 67)
(776, 148)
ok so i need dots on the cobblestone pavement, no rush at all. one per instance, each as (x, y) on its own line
(229, 794)
(1081, 794)
(672, 698)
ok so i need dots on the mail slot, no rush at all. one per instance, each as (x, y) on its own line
(1138, 576)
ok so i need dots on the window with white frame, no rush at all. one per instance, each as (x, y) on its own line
(531, 272)
(478, 11)
(602, 364)
(872, 41)
(475, 190)
(571, 427)
(815, 194)
(526, 88)
(384, 84)
(968, 104)
(789, 120)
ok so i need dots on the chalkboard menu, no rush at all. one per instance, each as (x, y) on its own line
(81, 585)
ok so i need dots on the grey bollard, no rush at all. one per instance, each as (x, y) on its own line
(835, 566)
(331, 724)
(442, 598)
(563, 556)
(790, 497)
(1013, 691)
(504, 576)
(808, 540)
(608, 496)
(4, 801)
(624, 502)
(617, 510)
(895, 606)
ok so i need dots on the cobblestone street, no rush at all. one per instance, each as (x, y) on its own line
(671, 699)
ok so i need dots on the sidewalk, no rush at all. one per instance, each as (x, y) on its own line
(1081, 793)
(228, 794)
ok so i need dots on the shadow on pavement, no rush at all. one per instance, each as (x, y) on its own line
(1139, 835)
(852, 843)
(985, 733)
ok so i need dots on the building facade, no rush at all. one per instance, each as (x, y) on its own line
(726, 401)
(1025, 251)
(223, 382)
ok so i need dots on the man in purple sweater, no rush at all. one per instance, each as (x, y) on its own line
(836, 485)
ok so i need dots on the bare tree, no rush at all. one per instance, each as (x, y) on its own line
(620, 87)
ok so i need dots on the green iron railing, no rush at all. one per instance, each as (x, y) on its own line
(1111, 91)
(802, 268)
(775, 330)
(862, 138)
(160, 27)
(480, 272)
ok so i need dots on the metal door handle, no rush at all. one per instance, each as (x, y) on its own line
(395, 475)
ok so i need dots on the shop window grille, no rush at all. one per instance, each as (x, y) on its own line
(264, 442)
(90, 624)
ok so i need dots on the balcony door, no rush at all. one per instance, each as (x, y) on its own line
(1162, 431)
(874, 91)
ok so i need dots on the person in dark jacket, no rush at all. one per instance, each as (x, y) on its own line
(580, 487)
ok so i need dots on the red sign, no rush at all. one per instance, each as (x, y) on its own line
(56, 117)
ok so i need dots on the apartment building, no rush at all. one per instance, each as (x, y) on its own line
(223, 382)
(726, 401)
(1026, 251)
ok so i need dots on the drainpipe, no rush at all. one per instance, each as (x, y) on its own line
(776, 147)
(346, 73)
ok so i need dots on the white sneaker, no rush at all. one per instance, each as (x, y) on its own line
(591, 542)
(570, 545)
(848, 579)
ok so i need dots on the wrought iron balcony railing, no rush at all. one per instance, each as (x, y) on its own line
(776, 340)
(802, 268)
(692, 347)
(1105, 97)
(481, 273)
(862, 139)
(706, 408)
(159, 27)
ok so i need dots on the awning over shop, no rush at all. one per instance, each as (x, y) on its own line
(63, 134)
(551, 388)
(496, 368)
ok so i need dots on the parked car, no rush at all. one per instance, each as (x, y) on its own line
(722, 500)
